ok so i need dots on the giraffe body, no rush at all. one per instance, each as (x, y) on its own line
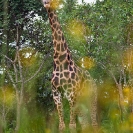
(68, 80)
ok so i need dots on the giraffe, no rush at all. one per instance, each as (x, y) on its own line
(68, 80)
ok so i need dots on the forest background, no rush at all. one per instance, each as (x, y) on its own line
(100, 37)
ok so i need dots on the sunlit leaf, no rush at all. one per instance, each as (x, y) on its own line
(55, 4)
(87, 62)
(77, 29)
(114, 114)
(47, 130)
(28, 56)
(127, 95)
(131, 118)
(125, 126)
(7, 95)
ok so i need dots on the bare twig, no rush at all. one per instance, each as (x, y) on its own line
(8, 58)
(18, 36)
(38, 69)
(120, 79)
(16, 73)
(11, 78)
(20, 68)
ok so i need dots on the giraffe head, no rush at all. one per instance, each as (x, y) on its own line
(46, 3)
(51, 3)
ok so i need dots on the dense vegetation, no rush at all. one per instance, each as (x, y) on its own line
(100, 37)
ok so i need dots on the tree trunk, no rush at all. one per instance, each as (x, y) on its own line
(19, 98)
(4, 51)
(121, 97)
(121, 101)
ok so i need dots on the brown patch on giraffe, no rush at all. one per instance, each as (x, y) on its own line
(61, 75)
(73, 82)
(56, 81)
(58, 29)
(62, 57)
(63, 80)
(53, 21)
(73, 75)
(58, 47)
(70, 68)
(71, 63)
(59, 38)
(61, 68)
(57, 74)
(69, 86)
(54, 26)
(66, 65)
(55, 35)
(51, 16)
(57, 62)
(68, 56)
(56, 55)
(65, 45)
(66, 74)
(59, 32)
(69, 80)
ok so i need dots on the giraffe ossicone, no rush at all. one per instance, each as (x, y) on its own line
(68, 79)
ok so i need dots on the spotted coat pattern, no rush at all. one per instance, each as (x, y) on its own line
(68, 80)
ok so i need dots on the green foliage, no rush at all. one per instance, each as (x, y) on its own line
(17, 11)
(102, 31)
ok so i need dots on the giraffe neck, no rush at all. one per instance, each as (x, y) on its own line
(61, 51)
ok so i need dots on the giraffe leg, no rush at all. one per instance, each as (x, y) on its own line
(93, 119)
(83, 118)
(58, 101)
(94, 112)
(72, 124)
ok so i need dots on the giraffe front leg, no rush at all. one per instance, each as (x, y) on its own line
(72, 124)
(60, 114)
(58, 101)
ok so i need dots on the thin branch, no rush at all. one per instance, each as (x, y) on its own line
(8, 59)
(20, 69)
(18, 36)
(124, 76)
(11, 78)
(111, 73)
(22, 78)
(120, 79)
(16, 72)
(114, 78)
(16, 56)
(38, 69)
